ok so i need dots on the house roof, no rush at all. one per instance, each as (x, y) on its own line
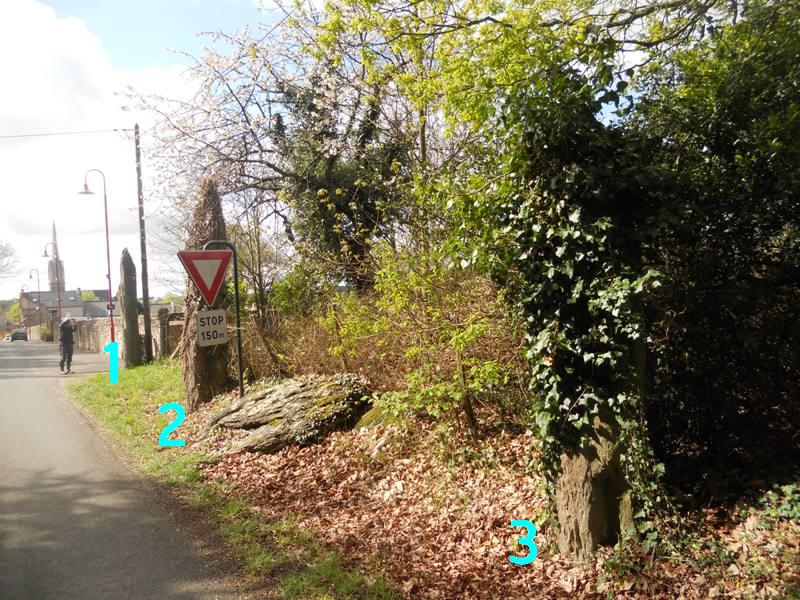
(95, 309)
(68, 297)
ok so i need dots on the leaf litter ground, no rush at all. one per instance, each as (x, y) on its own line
(431, 511)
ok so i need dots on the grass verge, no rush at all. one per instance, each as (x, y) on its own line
(293, 558)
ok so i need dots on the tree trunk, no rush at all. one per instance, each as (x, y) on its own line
(129, 306)
(466, 403)
(205, 370)
(593, 499)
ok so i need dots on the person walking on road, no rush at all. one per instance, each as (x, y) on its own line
(67, 337)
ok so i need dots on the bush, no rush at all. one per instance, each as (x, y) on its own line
(299, 293)
(728, 318)
(437, 339)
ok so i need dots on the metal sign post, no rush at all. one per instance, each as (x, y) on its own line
(232, 248)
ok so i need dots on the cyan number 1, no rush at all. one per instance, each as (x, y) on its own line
(525, 541)
(113, 361)
(163, 439)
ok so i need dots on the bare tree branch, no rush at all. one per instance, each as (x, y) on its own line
(7, 259)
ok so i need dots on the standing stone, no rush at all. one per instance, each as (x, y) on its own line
(129, 305)
(163, 333)
(205, 370)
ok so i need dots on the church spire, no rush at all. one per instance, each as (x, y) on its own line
(55, 271)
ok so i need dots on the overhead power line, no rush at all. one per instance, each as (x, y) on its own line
(54, 133)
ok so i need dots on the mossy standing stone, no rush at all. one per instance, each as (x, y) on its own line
(129, 306)
(205, 369)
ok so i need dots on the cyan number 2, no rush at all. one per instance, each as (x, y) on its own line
(525, 541)
(181, 415)
(113, 361)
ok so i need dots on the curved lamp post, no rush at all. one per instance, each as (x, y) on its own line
(23, 290)
(86, 190)
(58, 280)
(38, 297)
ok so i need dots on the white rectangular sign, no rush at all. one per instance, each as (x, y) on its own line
(212, 327)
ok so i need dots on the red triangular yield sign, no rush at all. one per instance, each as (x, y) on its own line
(207, 269)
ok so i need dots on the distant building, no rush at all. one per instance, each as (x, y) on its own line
(55, 269)
(72, 303)
(40, 318)
(39, 310)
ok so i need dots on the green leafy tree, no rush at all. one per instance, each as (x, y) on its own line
(350, 193)
(167, 298)
(299, 292)
(15, 313)
(557, 204)
(648, 239)
(725, 115)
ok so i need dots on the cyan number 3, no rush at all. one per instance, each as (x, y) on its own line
(525, 541)
(179, 418)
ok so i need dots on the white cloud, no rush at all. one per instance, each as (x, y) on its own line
(57, 77)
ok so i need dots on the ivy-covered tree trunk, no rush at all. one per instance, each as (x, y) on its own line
(593, 498)
(205, 370)
(566, 230)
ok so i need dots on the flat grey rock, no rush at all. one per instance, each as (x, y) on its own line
(294, 411)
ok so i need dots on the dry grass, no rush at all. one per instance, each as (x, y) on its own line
(385, 344)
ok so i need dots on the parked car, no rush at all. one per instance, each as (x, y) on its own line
(7, 338)
(20, 334)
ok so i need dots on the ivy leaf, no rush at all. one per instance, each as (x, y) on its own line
(575, 215)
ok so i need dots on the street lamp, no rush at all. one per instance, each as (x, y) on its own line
(58, 277)
(86, 190)
(38, 297)
(23, 290)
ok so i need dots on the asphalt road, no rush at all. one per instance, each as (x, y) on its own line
(75, 522)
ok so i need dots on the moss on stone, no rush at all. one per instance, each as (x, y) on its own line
(328, 405)
(374, 416)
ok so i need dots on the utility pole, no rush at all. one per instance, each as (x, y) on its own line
(148, 332)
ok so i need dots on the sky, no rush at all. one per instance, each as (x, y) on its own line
(64, 64)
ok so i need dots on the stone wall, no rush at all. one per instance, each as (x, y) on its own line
(175, 332)
(93, 334)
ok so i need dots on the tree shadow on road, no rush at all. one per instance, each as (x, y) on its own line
(82, 537)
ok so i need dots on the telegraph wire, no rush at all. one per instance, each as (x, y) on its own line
(57, 133)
